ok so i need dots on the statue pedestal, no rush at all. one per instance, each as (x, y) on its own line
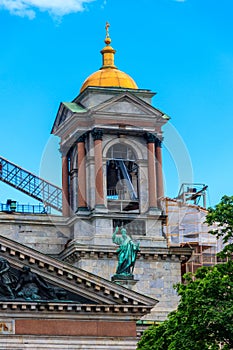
(127, 281)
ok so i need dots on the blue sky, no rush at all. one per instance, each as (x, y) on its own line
(183, 50)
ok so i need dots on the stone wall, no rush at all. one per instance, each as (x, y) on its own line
(155, 277)
(156, 269)
(67, 334)
(45, 233)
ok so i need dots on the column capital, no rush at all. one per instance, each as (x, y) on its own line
(97, 134)
(150, 138)
(64, 151)
(82, 138)
(158, 143)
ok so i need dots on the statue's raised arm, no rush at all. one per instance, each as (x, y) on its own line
(115, 239)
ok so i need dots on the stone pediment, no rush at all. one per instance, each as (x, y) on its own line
(62, 287)
(65, 111)
(122, 106)
(128, 104)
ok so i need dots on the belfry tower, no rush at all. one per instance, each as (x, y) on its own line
(111, 138)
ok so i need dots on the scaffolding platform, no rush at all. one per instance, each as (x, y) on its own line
(32, 185)
(185, 226)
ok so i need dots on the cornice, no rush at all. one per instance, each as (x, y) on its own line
(60, 309)
(33, 219)
(76, 252)
(76, 280)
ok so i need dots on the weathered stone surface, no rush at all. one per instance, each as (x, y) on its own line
(66, 343)
(45, 233)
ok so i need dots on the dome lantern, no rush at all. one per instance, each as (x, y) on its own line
(108, 75)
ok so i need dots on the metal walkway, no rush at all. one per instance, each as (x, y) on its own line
(30, 184)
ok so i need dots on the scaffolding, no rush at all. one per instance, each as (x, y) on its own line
(185, 226)
(30, 184)
(193, 193)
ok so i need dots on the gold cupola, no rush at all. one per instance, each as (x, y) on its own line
(108, 75)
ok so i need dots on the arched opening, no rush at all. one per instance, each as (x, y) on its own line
(122, 178)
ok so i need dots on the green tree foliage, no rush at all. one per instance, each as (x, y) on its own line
(204, 317)
(222, 216)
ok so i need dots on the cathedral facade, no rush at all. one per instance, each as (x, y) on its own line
(112, 183)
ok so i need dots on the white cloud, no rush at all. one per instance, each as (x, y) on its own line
(104, 4)
(27, 8)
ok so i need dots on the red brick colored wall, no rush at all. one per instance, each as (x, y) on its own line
(75, 328)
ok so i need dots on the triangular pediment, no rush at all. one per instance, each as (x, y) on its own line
(62, 284)
(128, 104)
(125, 105)
(65, 111)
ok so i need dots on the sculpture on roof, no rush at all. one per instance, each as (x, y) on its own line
(127, 253)
(7, 279)
(31, 286)
(26, 285)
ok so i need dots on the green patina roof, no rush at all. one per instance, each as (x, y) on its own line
(165, 116)
(74, 107)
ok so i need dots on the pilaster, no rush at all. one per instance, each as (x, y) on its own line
(159, 167)
(81, 161)
(97, 135)
(152, 181)
(65, 186)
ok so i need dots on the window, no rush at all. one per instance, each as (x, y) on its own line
(133, 227)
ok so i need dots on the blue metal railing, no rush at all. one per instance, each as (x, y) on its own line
(14, 207)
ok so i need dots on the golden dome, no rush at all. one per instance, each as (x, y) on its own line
(108, 75)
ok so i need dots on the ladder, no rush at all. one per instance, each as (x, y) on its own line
(30, 184)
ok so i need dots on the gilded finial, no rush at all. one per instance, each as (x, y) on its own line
(107, 38)
(107, 31)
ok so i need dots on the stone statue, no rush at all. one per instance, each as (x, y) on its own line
(127, 253)
(7, 279)
(30, 286)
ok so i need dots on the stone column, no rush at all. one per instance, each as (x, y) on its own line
(97, 135)
(81, 162)
(159, 170)
(65, 186)
(152, 185)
